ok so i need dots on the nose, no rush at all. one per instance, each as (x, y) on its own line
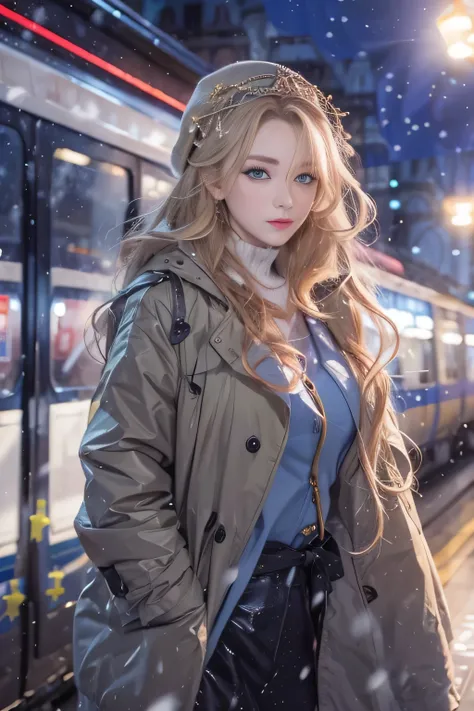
(282, 197)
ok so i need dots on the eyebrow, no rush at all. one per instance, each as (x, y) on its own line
(274, 161)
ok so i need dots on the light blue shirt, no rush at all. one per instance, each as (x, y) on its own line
(289, 506)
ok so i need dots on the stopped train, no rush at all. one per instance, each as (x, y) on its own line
(84, 146)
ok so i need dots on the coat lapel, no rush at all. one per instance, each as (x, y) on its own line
(227, 339)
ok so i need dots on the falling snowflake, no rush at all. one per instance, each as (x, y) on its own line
(305, 672)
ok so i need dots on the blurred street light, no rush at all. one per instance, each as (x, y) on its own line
(456, 25)
(459, 210)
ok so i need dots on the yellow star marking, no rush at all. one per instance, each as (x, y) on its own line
(92, 410)
(58, 590)
(39, 520)
(13, 600)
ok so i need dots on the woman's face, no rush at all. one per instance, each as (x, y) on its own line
(274, 184)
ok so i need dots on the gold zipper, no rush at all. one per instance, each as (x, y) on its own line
(313, 480)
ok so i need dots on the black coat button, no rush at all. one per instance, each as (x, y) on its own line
(220, 534)
(253, 444)
(371, 593)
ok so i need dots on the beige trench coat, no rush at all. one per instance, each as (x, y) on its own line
(160, 459)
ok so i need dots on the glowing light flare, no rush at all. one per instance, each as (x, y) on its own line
(451, 338)
(402, 319)
(460, 210)
(69, 156)
(455, 26)
(455, 23)
(424, 322)
(460, 50)
(59, 309)
(423, 334)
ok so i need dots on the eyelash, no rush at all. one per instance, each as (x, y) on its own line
(263, 170)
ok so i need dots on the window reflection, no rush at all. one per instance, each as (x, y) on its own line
(10, 338)
(414, 366)
(89, 201)
(451, 363)
(156, 185)
(11, 194)
(72, 365)
(12, 162)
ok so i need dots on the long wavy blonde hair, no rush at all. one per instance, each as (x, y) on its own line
(321, 252)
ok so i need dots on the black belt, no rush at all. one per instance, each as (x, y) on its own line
(320, 559)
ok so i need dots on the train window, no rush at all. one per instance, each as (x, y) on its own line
(470, 362)
(11, 214)
(10, 338)
(89, 200)
(156, 185)
(414, 366)
(11, 191)
(451, 339)
(416, 361)
(75, 361)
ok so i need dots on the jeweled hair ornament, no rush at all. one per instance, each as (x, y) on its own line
(286, 83)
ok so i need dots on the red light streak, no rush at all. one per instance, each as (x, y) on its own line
(89, 57)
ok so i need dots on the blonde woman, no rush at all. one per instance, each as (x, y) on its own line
(247, 500)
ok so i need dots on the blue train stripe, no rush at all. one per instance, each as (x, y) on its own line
(61, 554)
(7, 567)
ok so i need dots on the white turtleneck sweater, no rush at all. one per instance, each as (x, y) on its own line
(260, 262)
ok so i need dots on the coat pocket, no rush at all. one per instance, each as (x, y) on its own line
(202, 571)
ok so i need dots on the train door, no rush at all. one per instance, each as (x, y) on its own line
(468, 413)
(84, 193)
(451, 372)
(15, 140)
(413, 371)
(469, 349)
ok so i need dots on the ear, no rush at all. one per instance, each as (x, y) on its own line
(212, 185)
(216, 192)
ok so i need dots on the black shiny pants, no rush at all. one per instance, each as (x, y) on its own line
(266, 656)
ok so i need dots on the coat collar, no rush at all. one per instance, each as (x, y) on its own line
(227, 339)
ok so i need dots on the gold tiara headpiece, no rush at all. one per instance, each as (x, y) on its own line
(225, 97)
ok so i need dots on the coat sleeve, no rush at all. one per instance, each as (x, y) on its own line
(128, 524)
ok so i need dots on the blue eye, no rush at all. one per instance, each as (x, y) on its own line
(305, 175)
(256, 173)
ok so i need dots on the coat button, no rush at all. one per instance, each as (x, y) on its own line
(370, 593)
(253, 444)
(220, 534)
(316, 425)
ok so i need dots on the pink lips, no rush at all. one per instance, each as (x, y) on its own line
(280, 224)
